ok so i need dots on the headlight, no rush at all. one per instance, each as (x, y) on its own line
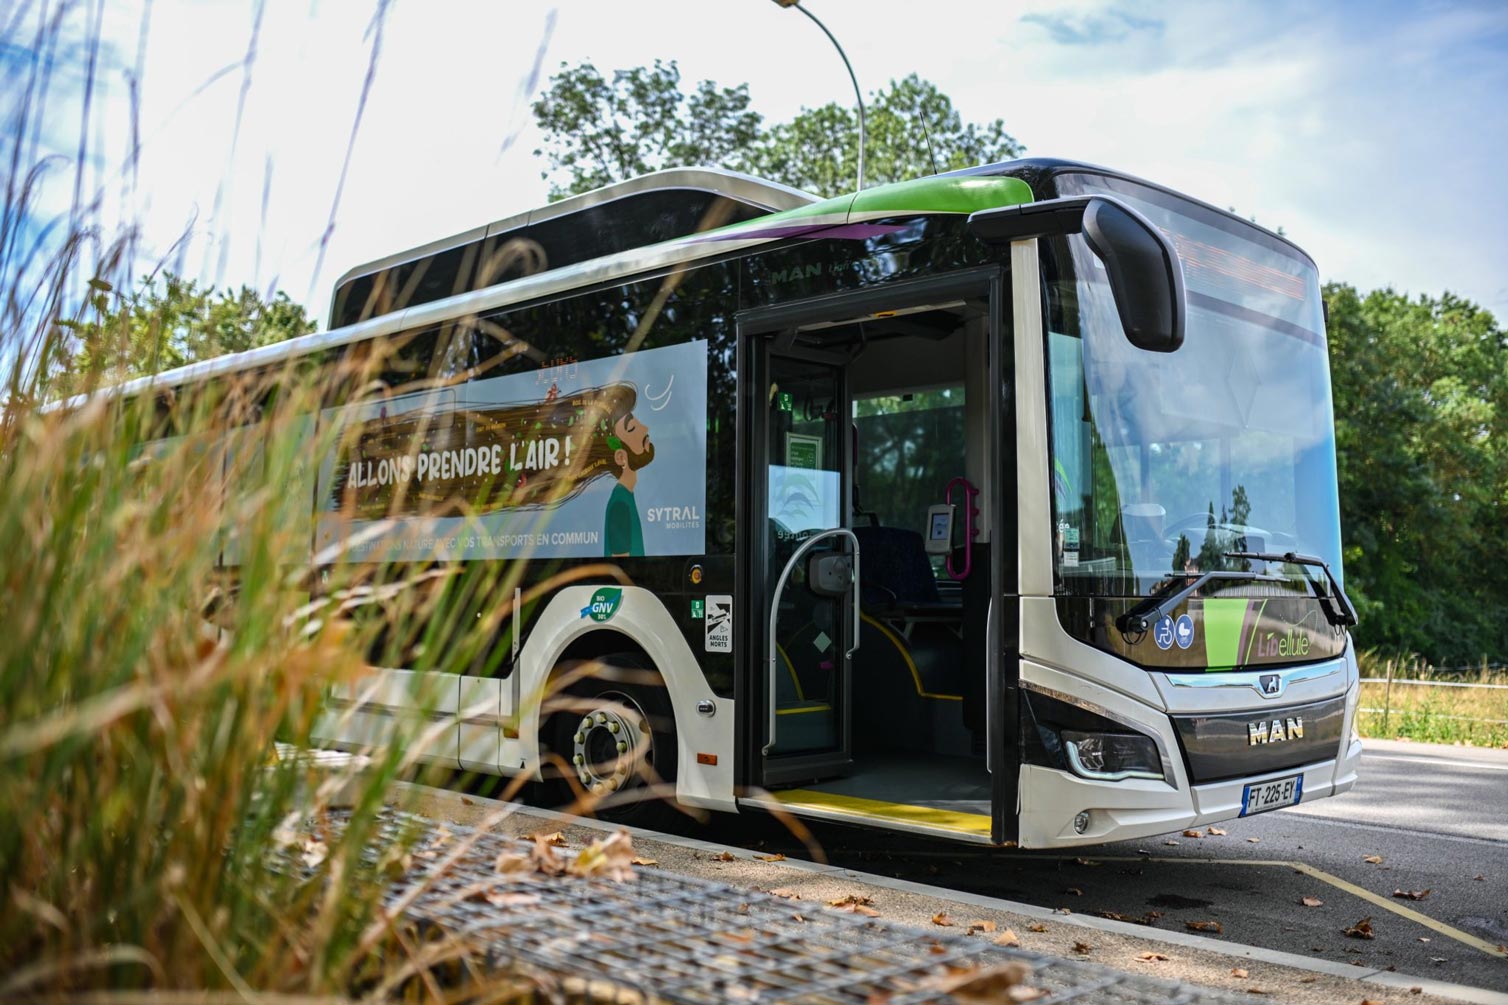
(1112, 756)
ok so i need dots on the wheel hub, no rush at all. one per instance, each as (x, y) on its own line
(609, 744)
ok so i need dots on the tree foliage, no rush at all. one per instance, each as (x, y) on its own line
(600, 130)
(1421, 414)
(155, 328)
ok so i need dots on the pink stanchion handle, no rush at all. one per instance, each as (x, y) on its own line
(969, 530)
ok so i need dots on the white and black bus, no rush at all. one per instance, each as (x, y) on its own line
(999, 505)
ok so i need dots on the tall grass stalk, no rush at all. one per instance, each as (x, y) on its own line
(164, 625)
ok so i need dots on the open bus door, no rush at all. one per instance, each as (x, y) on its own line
(876, 675)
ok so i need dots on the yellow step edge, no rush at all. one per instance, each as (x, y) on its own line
(876, 809)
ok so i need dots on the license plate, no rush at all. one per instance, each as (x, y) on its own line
(1259, 797)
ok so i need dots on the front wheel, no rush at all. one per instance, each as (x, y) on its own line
(616, 732)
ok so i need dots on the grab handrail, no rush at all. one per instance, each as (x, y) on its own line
(785, 574)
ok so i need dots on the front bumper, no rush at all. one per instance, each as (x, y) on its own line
(1133, 809)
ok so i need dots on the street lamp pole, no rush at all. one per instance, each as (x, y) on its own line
(858, 95)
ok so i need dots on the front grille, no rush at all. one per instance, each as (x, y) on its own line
(1218, 747)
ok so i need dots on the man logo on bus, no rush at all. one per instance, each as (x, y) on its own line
(628, 438)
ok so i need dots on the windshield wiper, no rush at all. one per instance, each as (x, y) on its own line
(1345, 614)
(1156, 607)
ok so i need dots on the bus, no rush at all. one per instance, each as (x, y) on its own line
(998, 505)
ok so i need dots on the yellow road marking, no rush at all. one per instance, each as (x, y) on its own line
(1386, 903)
(875, 809)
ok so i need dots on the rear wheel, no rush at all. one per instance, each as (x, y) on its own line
(615, 733)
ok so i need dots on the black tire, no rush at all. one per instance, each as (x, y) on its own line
(614, 736)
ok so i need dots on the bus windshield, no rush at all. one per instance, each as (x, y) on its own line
(1163, 463)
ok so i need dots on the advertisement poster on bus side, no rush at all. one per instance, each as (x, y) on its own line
(592, 459)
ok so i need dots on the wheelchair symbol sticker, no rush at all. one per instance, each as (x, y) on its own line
(1162, 632)
(1183, 632)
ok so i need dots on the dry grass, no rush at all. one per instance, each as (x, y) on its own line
(143, 683)
(1437, 711)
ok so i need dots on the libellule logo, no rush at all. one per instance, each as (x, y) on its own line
(605, 603)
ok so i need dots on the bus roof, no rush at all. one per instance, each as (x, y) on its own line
(951, 194)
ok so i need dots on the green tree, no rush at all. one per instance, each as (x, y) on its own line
(156, 328)
(912, 130)
(1421, 410)
(599, 131)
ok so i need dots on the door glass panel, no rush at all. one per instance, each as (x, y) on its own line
(805, 456)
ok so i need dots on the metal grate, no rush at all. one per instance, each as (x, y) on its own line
(671, 938)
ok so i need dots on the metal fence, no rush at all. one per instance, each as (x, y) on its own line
(666, 937)
(1390, 682)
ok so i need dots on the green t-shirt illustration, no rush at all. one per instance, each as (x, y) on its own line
(622, 531)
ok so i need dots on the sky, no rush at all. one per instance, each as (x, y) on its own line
(1372, 133)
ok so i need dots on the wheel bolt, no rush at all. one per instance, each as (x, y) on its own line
(580, 737)
(622, 747)
(613, 726)
(578, 760)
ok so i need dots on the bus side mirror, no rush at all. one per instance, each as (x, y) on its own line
(1146, 277)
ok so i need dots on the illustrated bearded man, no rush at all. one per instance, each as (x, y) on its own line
(628, 439)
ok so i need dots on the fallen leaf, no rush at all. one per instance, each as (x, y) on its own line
(1258, 991)
(777, 857)
(507, 898)
(1253, 840)
(726, 856)
(467, 801)
(942, 920)
(1411, 894)
(314, 852)
(1424, 938)
(1082, 948)
(1074, 891)
(1007, 938)
(543, 856)
(1372, 1001)
(555, 839)
(1061, 910)
(980, 925)
(1001, 983)
(1193, 834)
(510, 863)
(1170, 841)
(855, 904)
(1373, 860)
(1206, 926)
(786, 892)
(1479, 877)
(1216, 832)
(645, 861)
(1036, 926)
(1311, 902)
(1416, 990)
(1361, 930)
(606, 858)
(1239, 973)
(1152, 957)
(797, 917)
(936, 948)
(1308, 980)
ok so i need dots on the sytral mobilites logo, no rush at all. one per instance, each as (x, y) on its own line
(604, 605)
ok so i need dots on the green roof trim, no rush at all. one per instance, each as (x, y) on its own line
(967, 194)
(918, 197)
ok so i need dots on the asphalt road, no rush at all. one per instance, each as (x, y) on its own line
(1437, 817)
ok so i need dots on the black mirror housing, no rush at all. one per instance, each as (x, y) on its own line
(1146, 276)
